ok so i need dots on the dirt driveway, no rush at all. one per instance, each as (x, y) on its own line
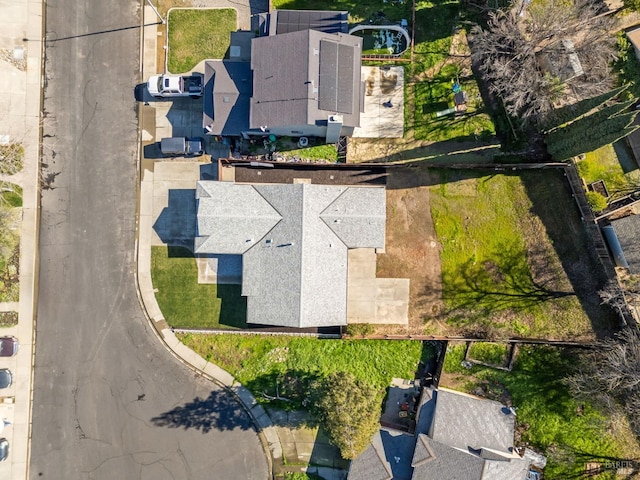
(412, 248)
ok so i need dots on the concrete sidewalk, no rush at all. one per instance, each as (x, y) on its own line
(21, 63)
(147, 215)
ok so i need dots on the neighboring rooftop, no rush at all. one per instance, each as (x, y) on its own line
(463, 438)
(304, 77)
(226, 99)
(286, 21)
(628, 232)
(294, 240)
(387, 457)
(468, 422)
(433, 460)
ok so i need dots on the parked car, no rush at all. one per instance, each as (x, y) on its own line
(182, 146)
(8, 346)
(4, 449)
(176, 86)
(6, 378)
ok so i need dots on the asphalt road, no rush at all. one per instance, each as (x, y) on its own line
(109, 401)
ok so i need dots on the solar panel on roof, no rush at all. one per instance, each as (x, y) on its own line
(345, 79)
(296, 20)
(335, 87)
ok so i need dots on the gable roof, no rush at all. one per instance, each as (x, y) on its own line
(227, 93)
(372, 463)
(236, 223)
(434, 460)
(628, 232)
(303, 77)
(465, 422)
(452, 455)
(388, 456)
(294, 266)
(514, 469)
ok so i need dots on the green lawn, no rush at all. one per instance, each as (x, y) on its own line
(568, 432)
(187, 304)
(10, 219)
(258, 361)
(503, 272)
(603, 164)
(491, 353)
(358, 11)
(318, 152)
(11, 194)
(435, 22)
(435, 95)
(198, 34)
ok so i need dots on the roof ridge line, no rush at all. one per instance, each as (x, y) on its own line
(321, 217)
(274, 226)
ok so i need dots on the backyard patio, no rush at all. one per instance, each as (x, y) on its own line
(383, 115)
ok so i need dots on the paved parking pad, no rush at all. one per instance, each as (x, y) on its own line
(383, 115)
(383, 301)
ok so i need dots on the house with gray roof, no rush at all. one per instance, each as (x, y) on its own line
(294, 241)
(624, 242)
(457, 437)
(303, 79)
(306, 83)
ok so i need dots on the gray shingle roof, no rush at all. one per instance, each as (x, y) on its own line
(287, 82)
(388, 456)
(465, 422)
(294, 267)
(514, 469)
(227, 94)
(434, 461)
(628, 232)
(371, 464)
(353, 225)
(231, 218)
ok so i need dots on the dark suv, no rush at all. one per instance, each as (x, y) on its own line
(8, 346)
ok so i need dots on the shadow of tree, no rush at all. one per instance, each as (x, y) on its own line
(607, 464)
(287, 390)
(219, 411)
(503, 281)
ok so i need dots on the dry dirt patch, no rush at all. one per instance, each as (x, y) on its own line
(412, 248)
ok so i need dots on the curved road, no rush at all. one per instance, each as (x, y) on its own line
(109, 400)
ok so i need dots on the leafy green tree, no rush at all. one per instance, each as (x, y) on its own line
(627, 65)
(349, 411)
(575, 111)
(633, 5)
(592, 131)
(596, 201)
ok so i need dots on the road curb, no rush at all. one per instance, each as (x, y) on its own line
(263, 425)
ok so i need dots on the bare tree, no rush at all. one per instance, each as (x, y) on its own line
(11, 158)
(610, 375)
(554, 53)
